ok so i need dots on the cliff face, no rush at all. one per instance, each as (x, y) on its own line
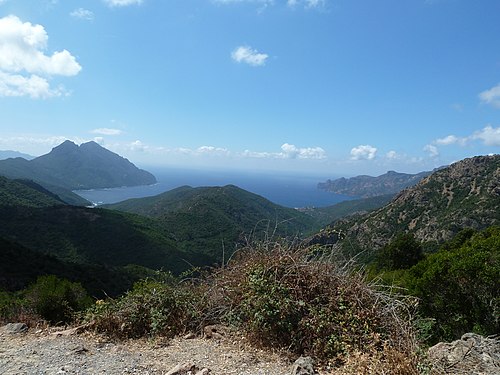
(463, 195)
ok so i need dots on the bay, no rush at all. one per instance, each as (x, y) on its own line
(286, 189)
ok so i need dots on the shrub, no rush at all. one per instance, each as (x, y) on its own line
(56, 300)
(458, 286)
(153, 307)
(401, 253)
(291, 299)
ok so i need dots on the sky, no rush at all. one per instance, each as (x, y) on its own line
(331, 87)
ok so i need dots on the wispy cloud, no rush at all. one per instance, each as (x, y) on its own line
(248, 55)
(122, 3)
(491, 96)
(107, 131)
(306, 3)
(489, 136)
(83, 14)
(432, 150)
(363, 152)
(288, 151)
(25, 69)
(289, 3)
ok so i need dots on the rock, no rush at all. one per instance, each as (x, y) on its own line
(186, 368)
(204, 371)
(189, 336)
(15, 328)
(472, 354)
(213, 332)
(303, 366)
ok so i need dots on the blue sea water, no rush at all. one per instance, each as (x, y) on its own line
(281, 188)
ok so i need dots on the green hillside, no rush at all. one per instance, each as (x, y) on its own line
(25, 193)
(330, 214)
(463, 195)
(206, 219)
(93, 236)
(20, 267)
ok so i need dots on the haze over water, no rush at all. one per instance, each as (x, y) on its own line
(281, 188)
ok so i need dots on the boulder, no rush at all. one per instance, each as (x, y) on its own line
(303, 366)
(15, 328)
(472, 354)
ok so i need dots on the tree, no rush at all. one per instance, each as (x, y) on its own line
(402, 253)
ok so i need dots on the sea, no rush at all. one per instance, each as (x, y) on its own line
(286, 189)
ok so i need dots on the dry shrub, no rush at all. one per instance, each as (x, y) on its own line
(281, 296)
(291, 298)
(389, 361)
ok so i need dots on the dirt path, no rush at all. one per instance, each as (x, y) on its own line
(42, 352)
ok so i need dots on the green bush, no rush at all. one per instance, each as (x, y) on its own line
(459, 287)
(153, 307)
(401, 253)
(56, 300)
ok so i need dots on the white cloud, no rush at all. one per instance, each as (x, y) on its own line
(288, 151)
(306, 3)
(294, 152)
(264, 2)
(211, 150)
(249, 56)
(33, 86)
(450, 140)
(25, 69)
(491, 96)
(107, 131)
(289, 3)
(489, 135)
(432, 150)
(363, 152)
(83, 14)
(392, 155)
(122, 3)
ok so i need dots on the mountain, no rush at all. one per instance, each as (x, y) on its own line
(6, 154)
(206, 219)
(88, 166)
(368, 186)
(463, 195)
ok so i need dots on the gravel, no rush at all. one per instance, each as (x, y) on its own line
(45, 352)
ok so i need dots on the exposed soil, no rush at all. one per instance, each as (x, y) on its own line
(43, 352)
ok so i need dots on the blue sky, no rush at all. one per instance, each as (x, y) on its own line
(333, 87)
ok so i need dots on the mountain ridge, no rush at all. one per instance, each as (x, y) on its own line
(464, 195)
(364, 186)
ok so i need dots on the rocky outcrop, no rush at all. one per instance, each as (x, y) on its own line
(472, 354)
